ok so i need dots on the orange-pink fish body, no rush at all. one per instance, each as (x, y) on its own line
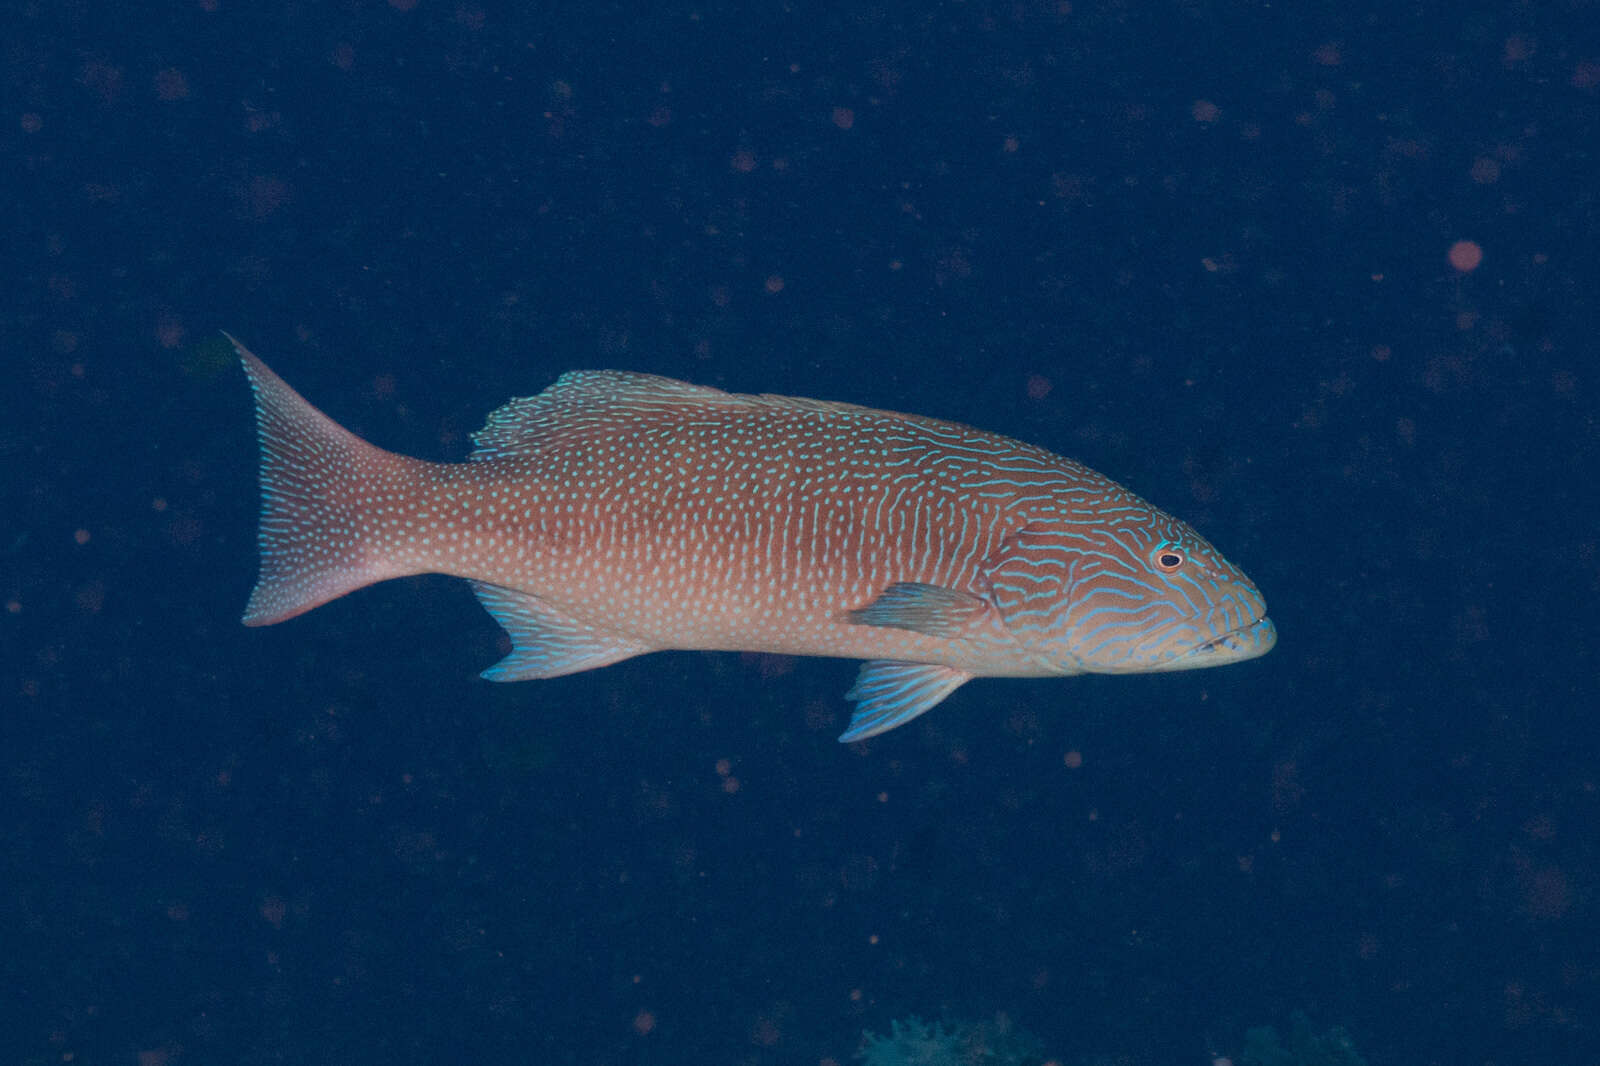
(616, 514)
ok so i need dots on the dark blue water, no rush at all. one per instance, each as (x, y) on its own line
(1203, 247)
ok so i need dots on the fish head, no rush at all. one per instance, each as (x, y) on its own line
(1133, 597)
(1161, 597)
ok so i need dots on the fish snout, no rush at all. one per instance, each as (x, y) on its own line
(1253, 640)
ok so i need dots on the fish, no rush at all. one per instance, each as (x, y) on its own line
(619, 513)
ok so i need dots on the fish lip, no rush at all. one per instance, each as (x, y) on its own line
(1249, 641)
(1256, 637)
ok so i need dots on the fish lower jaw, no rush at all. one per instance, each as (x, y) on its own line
(1246, 642)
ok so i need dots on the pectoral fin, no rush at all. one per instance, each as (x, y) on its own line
(932, 610)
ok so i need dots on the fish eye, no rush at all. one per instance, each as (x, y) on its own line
(1167, 558)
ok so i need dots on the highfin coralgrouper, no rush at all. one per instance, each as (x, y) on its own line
(616, 514)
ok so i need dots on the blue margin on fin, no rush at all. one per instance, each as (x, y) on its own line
(545, 642)
(890, 694)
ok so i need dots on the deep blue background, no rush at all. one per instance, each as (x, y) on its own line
(1202, 247)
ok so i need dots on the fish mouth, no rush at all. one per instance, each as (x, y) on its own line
(1246, 642)
(1249, 641)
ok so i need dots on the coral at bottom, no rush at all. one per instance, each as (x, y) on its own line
(914, 1042)
(1304, 1046)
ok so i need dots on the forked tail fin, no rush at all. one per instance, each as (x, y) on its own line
(316, 543)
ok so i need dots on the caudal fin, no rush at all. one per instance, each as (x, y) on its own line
(315, 543)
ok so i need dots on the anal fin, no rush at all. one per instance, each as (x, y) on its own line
(890, 694)
(545, 642)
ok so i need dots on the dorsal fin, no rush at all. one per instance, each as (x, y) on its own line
(585, 402)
